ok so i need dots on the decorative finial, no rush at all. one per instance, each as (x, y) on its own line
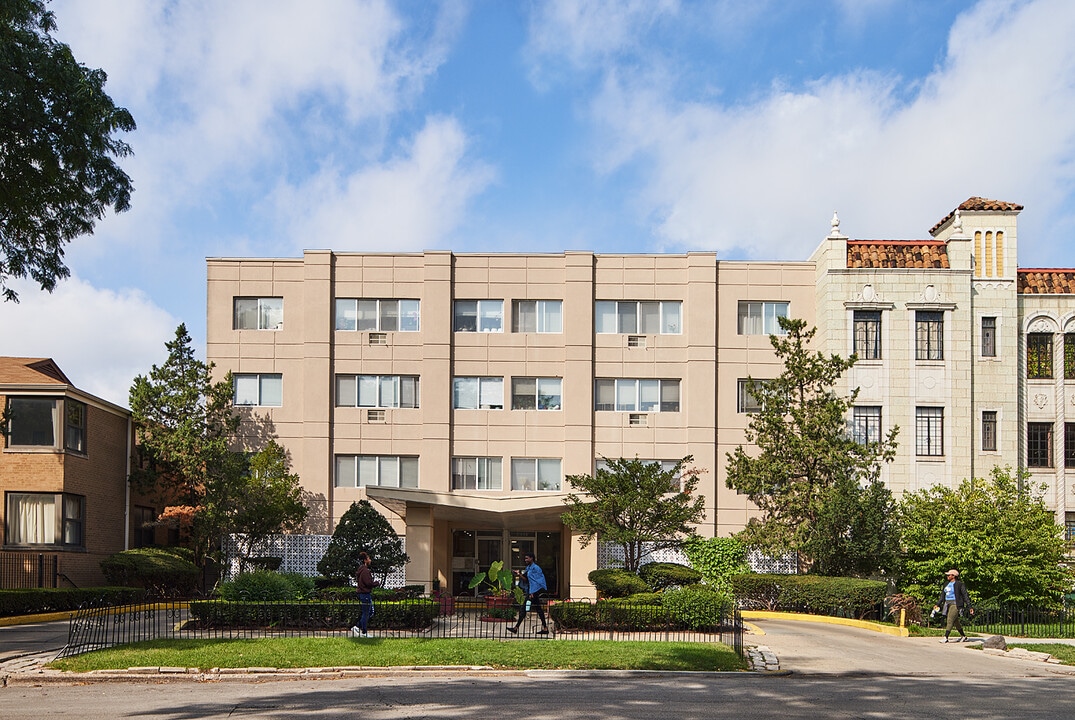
(957, 224)
(835, 223)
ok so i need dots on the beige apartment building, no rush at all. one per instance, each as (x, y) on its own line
(458, 392)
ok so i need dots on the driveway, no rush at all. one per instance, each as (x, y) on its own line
(807, 648)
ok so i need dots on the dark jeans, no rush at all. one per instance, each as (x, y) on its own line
(535, 606)
(366, 599)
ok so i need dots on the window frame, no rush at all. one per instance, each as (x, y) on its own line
(538, 463)
(929, 431)
(261, 379)
(1069, 356)
(545, 320)
(262, 312)
(13, 431)
(990, 430)
(767, 313)
(536, 398)
(866, 424)
(63, 524)
(406, 391)
(1039, 356)
(669, 317)
(483, 310)
(643, 401)
(407, 319)
(988, 346)
(481, 465)
(866, 334)
(1039, 445)
(377, 463)
(742, 395)
(479, 392)
(929, 335)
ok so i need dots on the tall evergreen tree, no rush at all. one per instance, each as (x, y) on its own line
(360, 529)
(806, 459)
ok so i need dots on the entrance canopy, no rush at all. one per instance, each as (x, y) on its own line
(475, 509)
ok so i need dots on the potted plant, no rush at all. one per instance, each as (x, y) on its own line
(445, 600)
(498, 586)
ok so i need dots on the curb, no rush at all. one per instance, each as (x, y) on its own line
(798, 617)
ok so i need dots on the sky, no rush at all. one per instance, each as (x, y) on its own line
(639, 126)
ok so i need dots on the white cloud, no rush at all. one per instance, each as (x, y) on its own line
(410, 202)
(101, 339)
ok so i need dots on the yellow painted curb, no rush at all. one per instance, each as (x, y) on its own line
(800, 617)
(68, 614)
(754, 629)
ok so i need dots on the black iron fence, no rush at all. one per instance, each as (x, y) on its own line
(28, 570)
(1015, 621)
(427, 617)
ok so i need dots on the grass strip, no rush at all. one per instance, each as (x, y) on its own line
(389, 652)
(1064, 653)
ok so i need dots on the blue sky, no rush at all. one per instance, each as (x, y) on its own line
(265, 128)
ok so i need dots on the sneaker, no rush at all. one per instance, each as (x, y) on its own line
(543, 631)
(365, 635)
(943, 640)
(355, 631)
(964, 639)
(513, 630)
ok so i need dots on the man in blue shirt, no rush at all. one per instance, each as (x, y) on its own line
(535, 589)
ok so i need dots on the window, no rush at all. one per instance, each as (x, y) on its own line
(666, 466)
(478, 393)
(377, 391)
(529, 393)
(989, 430)
(868, 334)
(1069, 526)
(1069, 445)
(259, 313)
(477, 473)
(45, 519)
(866, 424)
(382, 470)
(74, 432)
(633, 317)
(929, 431)
(144, 520)
(264, 390)
(31, 422)
(537, 316)
(1039, 355)
(371, 315)
(760, 318)
(989, 337)
(749, 402)
(1039, 444)
(531, 474)
(479, 316)
(929, 335)
(628, 395)
(1069, 356)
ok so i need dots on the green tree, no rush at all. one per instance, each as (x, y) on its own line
(805, 457)
(857, 531)
(183, 423)
(997, 532)
(633, 504)
(360, 529)
(59, 135)
(717, 558)
(255, 499)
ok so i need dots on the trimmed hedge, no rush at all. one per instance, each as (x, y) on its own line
(695, 608)
(262, 585)
(814, 594)
(30, 601)
(615, 583)
(698, 607)
(159, 571)
(412, 614)
(662, 575)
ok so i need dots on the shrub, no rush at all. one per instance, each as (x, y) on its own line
(614, 583)
(698, 607)
(159, 571)
(809, 593)
(663, 575)
(717, 559)
(266, 585)
(41, 600)
(411, 614)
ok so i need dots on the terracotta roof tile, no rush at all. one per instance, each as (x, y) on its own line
(897, 254)
(978, 204)
(1046, 281)
(31, 371)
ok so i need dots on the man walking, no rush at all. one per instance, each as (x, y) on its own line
(535, 590)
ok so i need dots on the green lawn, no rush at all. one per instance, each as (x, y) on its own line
(1064, 653)
(374, 652)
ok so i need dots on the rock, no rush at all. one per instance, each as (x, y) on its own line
(995, 642)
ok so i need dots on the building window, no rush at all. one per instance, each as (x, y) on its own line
(371, 315)
(1039, 444)
(479, 316)
(259, 313)
(1069, 526)
(760, 318)
(989, 337)
(989, 430)
(1039, 355)
(633, 317)
(478, 393)
(537, 316)
(630, 395)
(929, 431)
(529, 393)
(1069, 445)
(868, 334)
(377, 391)
(31, 422)
(477, 473)
(749, 402)
(74, 432)
(530, 474)
(380, 470)
(259, 389)
(45, 519)
(144, 520)
(929, 335)
(1069, 356)
(866, 424)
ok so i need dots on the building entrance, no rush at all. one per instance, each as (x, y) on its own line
(474, 550)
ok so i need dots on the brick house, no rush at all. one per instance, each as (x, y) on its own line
(63, 475)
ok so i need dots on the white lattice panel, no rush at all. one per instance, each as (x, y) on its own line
(301, 553)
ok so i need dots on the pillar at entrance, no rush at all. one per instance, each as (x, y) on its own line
(420, 546)
(583, 561)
